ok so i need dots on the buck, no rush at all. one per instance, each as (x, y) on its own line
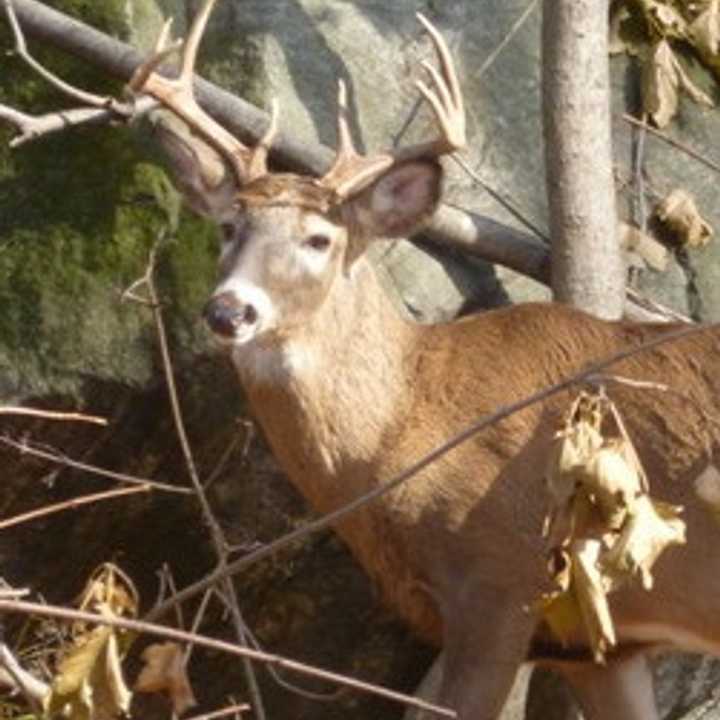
(349, 393)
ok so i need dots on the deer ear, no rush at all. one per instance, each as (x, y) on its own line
(198, 172)
(400, 201)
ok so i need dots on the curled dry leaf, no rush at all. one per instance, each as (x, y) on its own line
(662, 80)
(653, 253)
(164, 671)
(604, 527)
(680, 213)
(648, 530)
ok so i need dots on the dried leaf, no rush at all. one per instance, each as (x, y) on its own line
(705, 29)
(591, 593)
(668, 21)
(164, 671)
(634, 240)
(89, 684)
(649, 529)
(660, 84)
(610, 530)
(662, 79)
(679, 212)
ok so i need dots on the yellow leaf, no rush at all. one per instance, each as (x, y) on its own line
(561, 612)
(164, 671)
(89, 683)
(679, 212)
(648, 530)
(591, 594)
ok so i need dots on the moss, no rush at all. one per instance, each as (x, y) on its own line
(79, 212)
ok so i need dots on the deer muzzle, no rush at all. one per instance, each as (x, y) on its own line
(229, 318)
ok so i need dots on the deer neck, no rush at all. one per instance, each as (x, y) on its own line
(327, 395)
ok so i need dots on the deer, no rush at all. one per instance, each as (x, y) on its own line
(348, 393)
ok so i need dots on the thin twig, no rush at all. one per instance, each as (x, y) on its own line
(26, 449)
(499, 198)
(182, 636)
(216, 533)
(470, 431)
(603, 379)
(32, 689)
(14, 592)
(71, 504)
(241, 708)
(694, 154)
(87, 98)
(32, 127)
(52, 415)
(503, 43)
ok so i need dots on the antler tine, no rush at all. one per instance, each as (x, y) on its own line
(178, 96)
(351, 172)
(346, 147)
(445, 98)
(192, 43)
(257, 165)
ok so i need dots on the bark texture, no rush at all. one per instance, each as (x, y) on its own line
(587, 266)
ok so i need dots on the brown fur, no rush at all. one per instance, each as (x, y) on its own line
(384, 393)
(349, 394)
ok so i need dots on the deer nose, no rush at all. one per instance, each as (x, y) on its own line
(225, 314)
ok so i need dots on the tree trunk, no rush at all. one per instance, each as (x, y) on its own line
(587, 265)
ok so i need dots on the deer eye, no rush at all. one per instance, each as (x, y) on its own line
(318, 242)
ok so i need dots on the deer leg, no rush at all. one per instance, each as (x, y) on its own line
(485, 647)
(621, 690)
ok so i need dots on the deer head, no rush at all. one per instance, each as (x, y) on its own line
(286, 238)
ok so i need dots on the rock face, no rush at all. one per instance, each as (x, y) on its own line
(80, 212)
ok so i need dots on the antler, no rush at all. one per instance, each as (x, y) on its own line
(178, 96)
(351, 172)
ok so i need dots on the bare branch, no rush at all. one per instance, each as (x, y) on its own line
(217, 536)
(32, 127)
(230, 710)
(30, 608)
(52, 415)
(86, 98)
(32, 689)
(71, 504)
(25, 448)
